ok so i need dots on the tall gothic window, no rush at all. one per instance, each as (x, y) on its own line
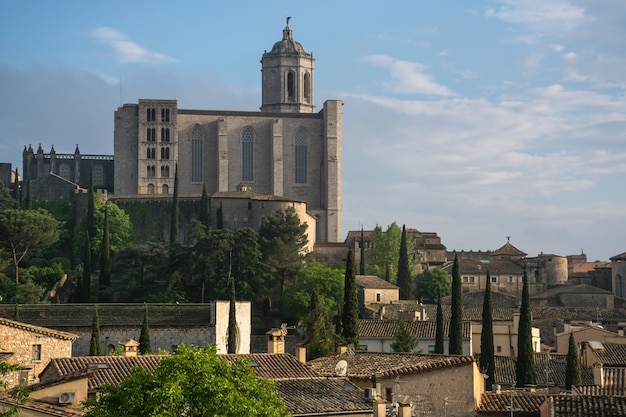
(165, 115)
(197, 136)
(301, 145)
(98, 175)
(247, 154)
(165, 134)
(64, 171)
(165, 153)
(151, 134)
(165, 189)
(307, 87)
(151, 115)
(291, 86)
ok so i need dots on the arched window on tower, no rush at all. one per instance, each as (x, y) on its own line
(150, 188)
(197, 137)
(165, 189)
(307, 87)
(301, 151)
(291, 86)
(247, 154)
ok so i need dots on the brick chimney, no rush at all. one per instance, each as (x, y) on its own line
(380, 408)
(276, 340)
(301, 354)
(130, 348)
(598, 374)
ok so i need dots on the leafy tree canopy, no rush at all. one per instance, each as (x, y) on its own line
(381, 257)
(191, 382)
(431, 283)
(403, 340)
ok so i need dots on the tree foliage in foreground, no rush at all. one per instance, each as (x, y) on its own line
(456, 315)
(403, 340)
(350, 313)
(525, 363)
(193, 382)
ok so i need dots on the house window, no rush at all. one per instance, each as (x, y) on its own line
(499, 349)
(165, 115)
(494, 279)
(197, 136)
(36, 352)
(247, 154)
(378, 297)
(151, 113)
(363, 348)
(249, 205)
(301, 145)
(510, 278)
(388, 394)
(472, 280)
(431, 349)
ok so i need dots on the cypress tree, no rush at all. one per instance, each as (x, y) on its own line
(174, 221)
(320, 331)
(350, 313)
(145, 347)
(404, 273)
(525, 363)
(95, 348)
(362, 263)
(439, 331)
(205, 210)
(105, 253)
(232, 318)
(91, 208)
(85, 287)
(29, 197)
(487, 354)
(572, 369)
(16, 189)
(403, 340)
(456, 319)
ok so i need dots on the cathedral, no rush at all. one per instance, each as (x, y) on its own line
(286, 150)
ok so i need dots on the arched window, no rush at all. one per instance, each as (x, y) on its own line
(197, 137)
(165, 115)
(150, 188)
(301, 151)
(307, 87)
(247, 154)
(64, 171)
(291, 86)
(165, 153)
(165, 134)
(151, 134)
(165, 189)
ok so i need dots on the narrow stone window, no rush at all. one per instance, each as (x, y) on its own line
(291, 86)
(247, 154)
(151, 115)
(307, 87)
(197, 138)
(165, 115)
(301, 151)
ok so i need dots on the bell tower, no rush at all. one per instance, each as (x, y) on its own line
(287, 77)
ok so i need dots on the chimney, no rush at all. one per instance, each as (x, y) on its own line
(130, 348)
(342, 349)
(405, 410)
(301, 354)
(598, 374)
(276, 340)
(380, 408)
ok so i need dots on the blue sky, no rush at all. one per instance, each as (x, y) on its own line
(475, 120)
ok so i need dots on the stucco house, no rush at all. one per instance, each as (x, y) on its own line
(374, 290)
(31, 347)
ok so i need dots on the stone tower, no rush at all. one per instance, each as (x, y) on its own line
(287, 72)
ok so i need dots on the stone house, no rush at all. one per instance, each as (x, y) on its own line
(618, 274)
(377, 335)
(374, 290)
(581, 295)
(170, 324)
(505, 335)
(433, 384)
(31, 347)
(585, 333)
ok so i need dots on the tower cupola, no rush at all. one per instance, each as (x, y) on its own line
(287, 76)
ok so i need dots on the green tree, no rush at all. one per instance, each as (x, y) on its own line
(383, 253)
(20, 395)
(432, 283)
(572, 369)
(525, 363)
(320, 333)
(194, 382)
(104, 280)
(16, 312)
(315, 276)
(456, 317)
(350, 312)
(487, 355)
(439, 331)
(175, 210)
(232, 317)
(85, 284)
(283, 242)
(403, 339)
(404, 272)
(95, 346)
(90, 218)
(6, 199)
(145, 345)
(29, 198)
(362, 260)
(205, 209)
(219, 223)
(25, 232)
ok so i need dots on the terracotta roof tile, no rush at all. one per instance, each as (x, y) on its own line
(42, 408)
(362, 365)
(37, 329)
(523, 402)
(612, 354)
(276, 366)
(322, 396)
(386, 329)
(371, 281)
(586, 406)
(554, 363)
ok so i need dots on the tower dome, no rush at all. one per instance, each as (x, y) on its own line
(287, 76)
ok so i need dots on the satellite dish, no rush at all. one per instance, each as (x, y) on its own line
(341, 369)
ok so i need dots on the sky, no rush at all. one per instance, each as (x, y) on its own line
(480, 121)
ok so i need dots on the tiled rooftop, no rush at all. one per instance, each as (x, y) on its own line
(42, 408)
(276, 366)
(612, 354)
(38, 330)
(322, 396)
(386, 329)
(554, 363)
(586, 406)
(523, 402)
(371, 281)
(362, 365)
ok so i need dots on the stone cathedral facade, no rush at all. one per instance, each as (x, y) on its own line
(286, 150)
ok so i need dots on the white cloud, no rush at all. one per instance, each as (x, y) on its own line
(127, 51)
(408, 77)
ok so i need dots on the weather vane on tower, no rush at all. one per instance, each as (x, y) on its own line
(288, 18)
